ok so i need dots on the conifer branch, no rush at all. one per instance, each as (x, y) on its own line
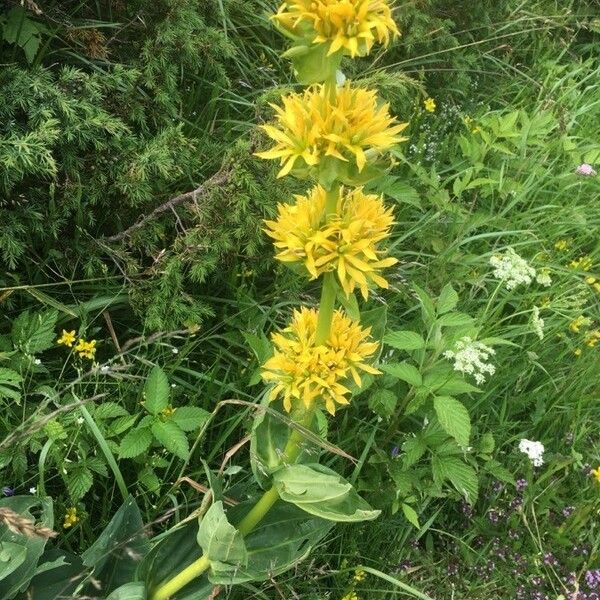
(221, 177)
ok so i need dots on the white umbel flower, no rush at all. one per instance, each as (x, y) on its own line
(537, 323)
(534, 451)
(512, 269)
(471, 357)
(543, 278)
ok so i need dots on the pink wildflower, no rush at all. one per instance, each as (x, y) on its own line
(585, 169)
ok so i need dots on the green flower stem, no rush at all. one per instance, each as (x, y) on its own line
(293, 447)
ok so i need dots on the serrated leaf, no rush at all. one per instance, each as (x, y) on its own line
(447, 300)
(189, 418)
(454, 418)
(156, 391)
(321, 492)
(148, 478)
(34, 333)
(219, 539)
(454, 319)
(79, 481)
(405, 372)
(122, 424)
(411, 515)
(138, 440)
(404, 340)
(499, 472)
(462, 476)
(383, 402)
(97, 465)
(413, 448)
(427, 305)
(486, 443)
(109, 410)
(172, 438)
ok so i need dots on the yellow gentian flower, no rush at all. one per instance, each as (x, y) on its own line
(303, 372)
(312, 126)
(350, 26)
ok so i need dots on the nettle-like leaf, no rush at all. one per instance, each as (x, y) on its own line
(79, 481)
(138, 440)
(172, 438)
(461, 475)
(404, 371)
(34, 332)
(322, 492)
(454, 418)
(10, 384)
(220, 541)
(404, 340)
(190, 418)
(156, 391)
(447, 300)
(383, 402)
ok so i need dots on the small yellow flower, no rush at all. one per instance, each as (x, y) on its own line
(593, 281)
(352, 26)
(476, 130)
(71, 518)
(311, 128)
(430, 105)
(86, 349)
(67, 338)
(561, 245)
(347, 243)
(583, 263)
(307, 373)
(577, 352)
(167, 411)
(578, 323)
(359, 575)
(467, 121)
(596, 474)
(592, 338)
(350, 596)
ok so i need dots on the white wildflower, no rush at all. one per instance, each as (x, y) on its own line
(534, 451)
(174, 350)
(104, 369)
(471, 357)
(537, 323)
(79, 420)
(512, 269)
(37, 361)
(33, 490)
(543, 278)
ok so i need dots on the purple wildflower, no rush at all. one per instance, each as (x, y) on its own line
(567, 511)
(585, 169)
(521, 485)
(395, 452)
(8, 491)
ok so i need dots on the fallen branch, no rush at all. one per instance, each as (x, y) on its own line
(221, 177)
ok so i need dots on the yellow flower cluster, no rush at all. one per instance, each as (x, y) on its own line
(594, 282)
(312, 126)
(71, 518)
(86, 349)
(562, 245)
(596, 474)
(305, 372)
(592, 338)
(576, 324)
(345, 242)
(352, 26)
(429, 105)
(583, 263)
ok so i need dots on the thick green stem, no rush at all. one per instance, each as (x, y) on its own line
(294, 444)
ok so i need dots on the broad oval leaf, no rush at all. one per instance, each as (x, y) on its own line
(321, 492)
(462, 476)
(454, 418)
(135, 442)
(130, 591)
(447, 299)
(219, 539)
(189, 418)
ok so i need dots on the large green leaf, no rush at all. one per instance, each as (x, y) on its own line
(34, 333)
(57, 576)
(219, 539)
(138, 440)
(454, 418)
(129, 591)
(156, 391)
(12, 556)
(34, 546)
(115, 554)
(284, 537)
(270, 433)
(321, 492)
(404, 340)
(404, 371)
(189, 418)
